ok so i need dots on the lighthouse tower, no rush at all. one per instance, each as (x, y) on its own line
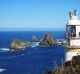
(72, 36)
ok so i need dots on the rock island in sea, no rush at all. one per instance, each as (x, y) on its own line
(17, 45)
(35, 41)
(48, 40)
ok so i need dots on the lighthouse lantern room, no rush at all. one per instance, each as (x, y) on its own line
(73, 31)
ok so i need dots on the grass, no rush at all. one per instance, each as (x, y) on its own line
(66, 70)
(70, 67)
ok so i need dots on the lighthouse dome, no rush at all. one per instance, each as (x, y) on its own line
(74, 21)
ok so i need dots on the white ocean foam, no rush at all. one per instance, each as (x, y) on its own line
(2, 70)
(11, 57)
(35, 44)
(4, 49)
(14, 56)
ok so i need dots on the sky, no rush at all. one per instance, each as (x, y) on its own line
(36, 14)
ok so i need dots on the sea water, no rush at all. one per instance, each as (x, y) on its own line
(34, 60)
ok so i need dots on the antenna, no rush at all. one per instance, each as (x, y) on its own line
(70, 14)
(75, 12)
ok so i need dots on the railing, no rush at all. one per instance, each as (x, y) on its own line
(72, 37)
(71, 47)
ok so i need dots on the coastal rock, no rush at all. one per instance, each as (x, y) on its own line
(35, 39)
(19, 45)
(48, 40)
(74, 62)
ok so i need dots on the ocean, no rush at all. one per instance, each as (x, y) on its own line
(34, 60)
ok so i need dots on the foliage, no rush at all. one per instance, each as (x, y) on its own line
(70, 67)
(66, 70)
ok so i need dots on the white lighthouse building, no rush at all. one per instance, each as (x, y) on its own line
(72, 36)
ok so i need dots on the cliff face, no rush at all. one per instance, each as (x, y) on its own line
(74, 62)
(48, 40)
(18, 45)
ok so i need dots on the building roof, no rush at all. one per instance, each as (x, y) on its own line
(73, 19)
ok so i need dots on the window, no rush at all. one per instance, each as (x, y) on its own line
(72, 31)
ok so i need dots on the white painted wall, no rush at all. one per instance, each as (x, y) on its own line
(75, 42)
(77, 31)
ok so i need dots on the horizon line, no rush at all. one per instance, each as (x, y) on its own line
(28, 29)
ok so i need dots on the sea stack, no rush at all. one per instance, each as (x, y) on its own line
(72, 37)
(48, 40)
(35, 39)
(17, 45)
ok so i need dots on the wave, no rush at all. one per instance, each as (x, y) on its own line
(11, 57)
(2, 70)
(35, 44)
(4, 49)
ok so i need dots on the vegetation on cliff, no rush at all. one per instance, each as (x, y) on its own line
(66, 70)
(70, 67)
